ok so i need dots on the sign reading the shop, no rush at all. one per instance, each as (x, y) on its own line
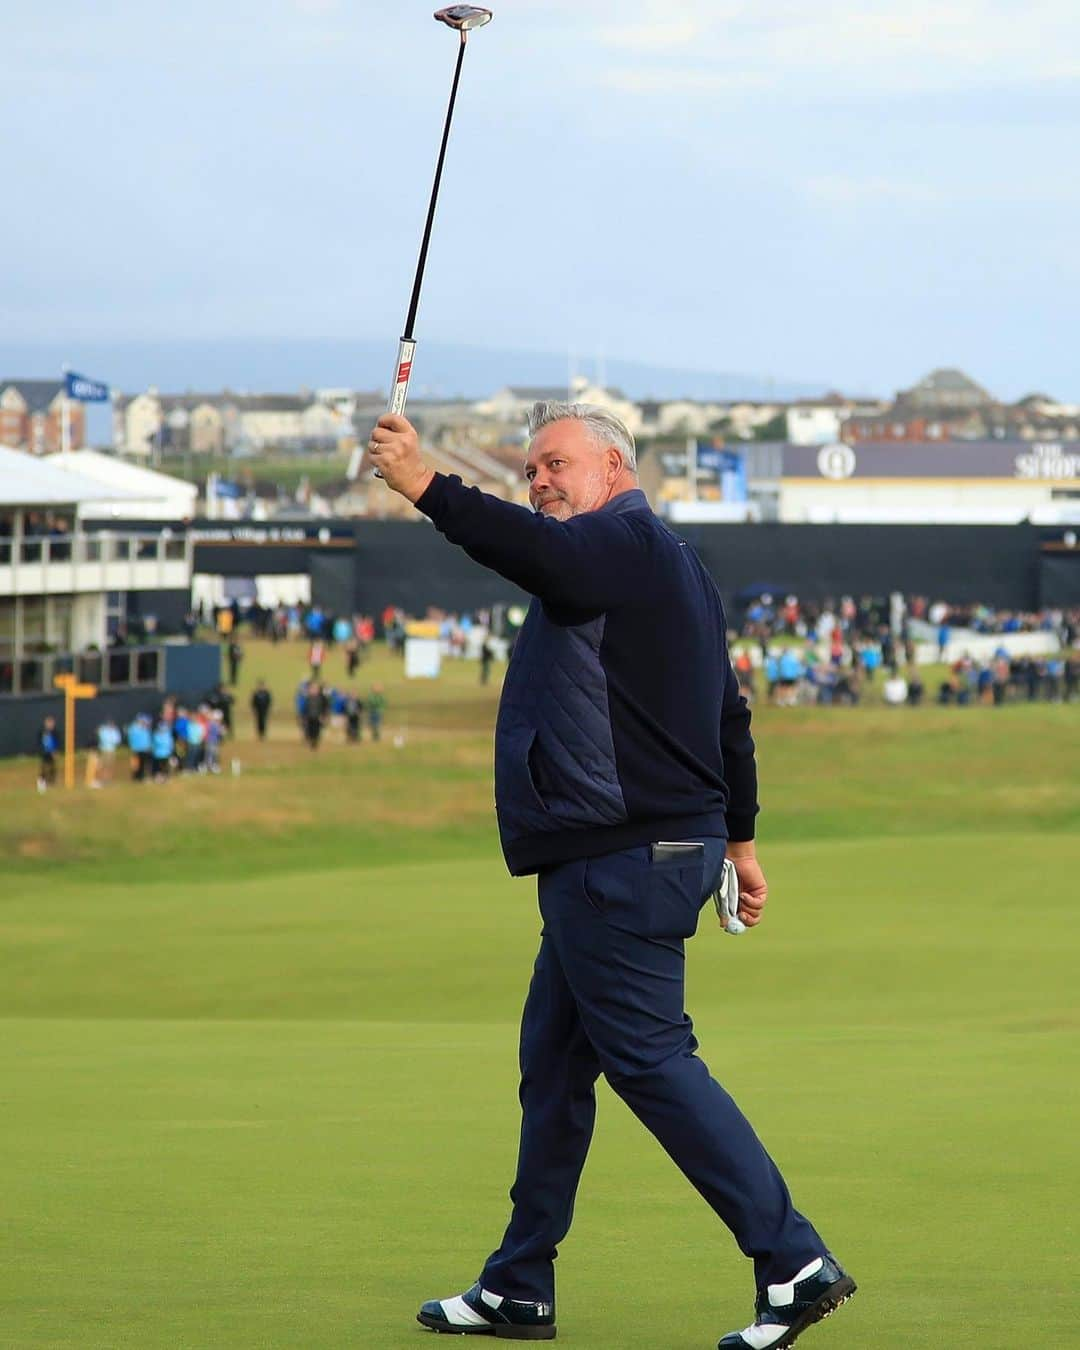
(1048, 461)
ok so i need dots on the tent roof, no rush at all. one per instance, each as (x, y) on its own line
(26, 480)
(132, 479)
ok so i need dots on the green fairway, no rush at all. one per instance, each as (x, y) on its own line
(258, 1047)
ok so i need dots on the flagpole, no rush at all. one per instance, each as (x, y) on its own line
(65, 416)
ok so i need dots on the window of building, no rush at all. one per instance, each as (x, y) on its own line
(119, 666)
(7, 628)
(115, 612)
(34, 620)
(146, 667)
(89, 667)
(59, 625)
(31, 676)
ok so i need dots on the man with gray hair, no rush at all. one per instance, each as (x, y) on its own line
(624, 773)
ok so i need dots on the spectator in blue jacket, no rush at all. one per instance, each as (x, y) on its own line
(109, 740)
(624, 772)
(161, 747)
(195, 759)
(140, 743)
(790, 673)
(181, 723)
(772, 673)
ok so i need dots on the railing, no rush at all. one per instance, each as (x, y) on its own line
(93, 548)
(116, 668)
(48, 561)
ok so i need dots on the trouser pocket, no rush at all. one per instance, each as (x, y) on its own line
(650, 897)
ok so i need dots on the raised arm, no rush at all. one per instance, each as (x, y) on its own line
(590, 562)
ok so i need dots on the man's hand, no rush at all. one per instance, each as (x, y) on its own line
(394, 449)
(753, 889)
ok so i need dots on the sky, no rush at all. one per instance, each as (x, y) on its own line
(829, 192)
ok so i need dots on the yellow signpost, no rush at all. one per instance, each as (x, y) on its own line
(73, 690)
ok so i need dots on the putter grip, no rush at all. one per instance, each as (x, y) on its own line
(399, 393)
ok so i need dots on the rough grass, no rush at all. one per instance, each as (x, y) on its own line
(826, 773)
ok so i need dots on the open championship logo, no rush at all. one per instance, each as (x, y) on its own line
(836, 461)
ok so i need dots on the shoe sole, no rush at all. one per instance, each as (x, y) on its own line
(834, 1297)
(507, 1332)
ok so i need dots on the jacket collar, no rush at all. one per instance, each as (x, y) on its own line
(633, 499)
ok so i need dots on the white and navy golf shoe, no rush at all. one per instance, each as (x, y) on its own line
(784, 1311)
(479, 1312)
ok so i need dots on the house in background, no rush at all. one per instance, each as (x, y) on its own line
(31, 414)
(152, 423)
(946, 405)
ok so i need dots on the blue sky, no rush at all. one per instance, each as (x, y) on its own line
(828, 191)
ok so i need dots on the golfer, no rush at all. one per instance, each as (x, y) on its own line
(624, 771)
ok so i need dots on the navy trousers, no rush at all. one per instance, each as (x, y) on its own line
(607, 996)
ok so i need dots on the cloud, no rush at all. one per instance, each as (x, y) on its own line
(837, 46)
(652, 36)
(673, 80)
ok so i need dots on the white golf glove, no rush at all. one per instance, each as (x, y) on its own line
(726, 900)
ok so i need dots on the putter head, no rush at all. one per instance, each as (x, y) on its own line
(464, 17)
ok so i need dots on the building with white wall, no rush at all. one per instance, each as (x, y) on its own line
(66, 591)
(930, 483)
(815, 423)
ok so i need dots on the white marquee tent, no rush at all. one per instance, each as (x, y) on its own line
(140, 494)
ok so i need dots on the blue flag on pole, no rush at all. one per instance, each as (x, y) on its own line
(85, 391)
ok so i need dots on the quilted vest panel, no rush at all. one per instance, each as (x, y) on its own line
(554, 754)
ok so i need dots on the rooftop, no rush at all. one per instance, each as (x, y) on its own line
(37, 394)
(111, 473)
(28, 481)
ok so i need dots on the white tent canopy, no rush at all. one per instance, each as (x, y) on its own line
(26, 480)
(134, 493)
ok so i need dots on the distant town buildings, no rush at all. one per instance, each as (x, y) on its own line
(31, 416)
(153, 424)
(949, 406)
(944, 449)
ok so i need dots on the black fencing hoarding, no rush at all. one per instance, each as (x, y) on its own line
(993, 564)
(413, 567)
(263, 549)
(333, 582)
(410, 565)
(1059, 578)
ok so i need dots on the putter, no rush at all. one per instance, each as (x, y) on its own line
(463, 18)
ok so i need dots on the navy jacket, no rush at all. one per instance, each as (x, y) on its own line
(621, 721)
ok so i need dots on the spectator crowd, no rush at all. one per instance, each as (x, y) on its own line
(834, 652)
(825, 653)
